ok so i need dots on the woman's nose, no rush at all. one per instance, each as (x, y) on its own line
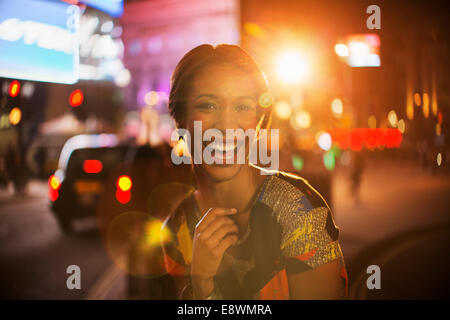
(226, 119)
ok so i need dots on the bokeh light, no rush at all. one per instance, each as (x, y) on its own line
(438, 129)
(283, 109)
(151, 98)
(329, 160)
(392, 118)
(297, 162)
(341, 50)
(291, 67)
(426, 105)
(324, 140)
(303, 119)
(417, 99)
(15, 115)
(337, 107)
(401, 125)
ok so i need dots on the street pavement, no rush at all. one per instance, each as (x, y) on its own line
(35, 254)
(400, 223)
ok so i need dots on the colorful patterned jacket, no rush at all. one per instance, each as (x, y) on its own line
(291, 231)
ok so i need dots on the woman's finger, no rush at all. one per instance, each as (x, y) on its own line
(215, 225)
(226, 242)
(212, 213)
(214, 240)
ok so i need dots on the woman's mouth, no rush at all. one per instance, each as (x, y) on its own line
(222, 152)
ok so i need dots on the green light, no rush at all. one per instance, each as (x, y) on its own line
(328, 160)
(297, 162)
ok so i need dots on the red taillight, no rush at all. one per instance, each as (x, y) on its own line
(54, 182)
(53, 185)
(14, 88)
(124, 183)
(76, 98)
(123, 196)
(123, 193)
(92, 166)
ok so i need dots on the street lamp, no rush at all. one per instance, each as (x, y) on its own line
(292, 68)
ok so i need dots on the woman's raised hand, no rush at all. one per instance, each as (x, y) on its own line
(213, 235)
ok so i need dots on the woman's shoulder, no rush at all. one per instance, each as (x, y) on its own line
(304, 216)
(292, 190)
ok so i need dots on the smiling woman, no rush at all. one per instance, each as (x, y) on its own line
(244, 233)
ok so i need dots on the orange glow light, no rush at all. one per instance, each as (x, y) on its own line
(15, 116)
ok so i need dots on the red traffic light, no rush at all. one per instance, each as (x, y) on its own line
(14, 88)
(76, 98)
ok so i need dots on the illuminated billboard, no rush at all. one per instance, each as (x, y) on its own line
(38, 40)
(112, 7)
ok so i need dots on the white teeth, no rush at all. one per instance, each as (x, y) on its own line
(223, 147)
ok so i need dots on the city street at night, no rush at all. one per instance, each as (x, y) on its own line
(225, 150)
(37, 253)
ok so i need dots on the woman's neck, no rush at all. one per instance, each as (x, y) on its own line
(238, 192)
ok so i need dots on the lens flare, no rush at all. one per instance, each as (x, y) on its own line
(292, 67)
(265, 100)
(127, 243)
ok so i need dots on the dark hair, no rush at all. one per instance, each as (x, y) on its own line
(206, 55)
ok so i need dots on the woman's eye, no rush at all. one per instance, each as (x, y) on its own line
(206, 107)
(244, 107)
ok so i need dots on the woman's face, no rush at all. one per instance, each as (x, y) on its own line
(221, 97)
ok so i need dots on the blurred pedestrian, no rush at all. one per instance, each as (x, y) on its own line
(356, 174)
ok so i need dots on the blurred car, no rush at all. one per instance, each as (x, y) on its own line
(84, 164)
